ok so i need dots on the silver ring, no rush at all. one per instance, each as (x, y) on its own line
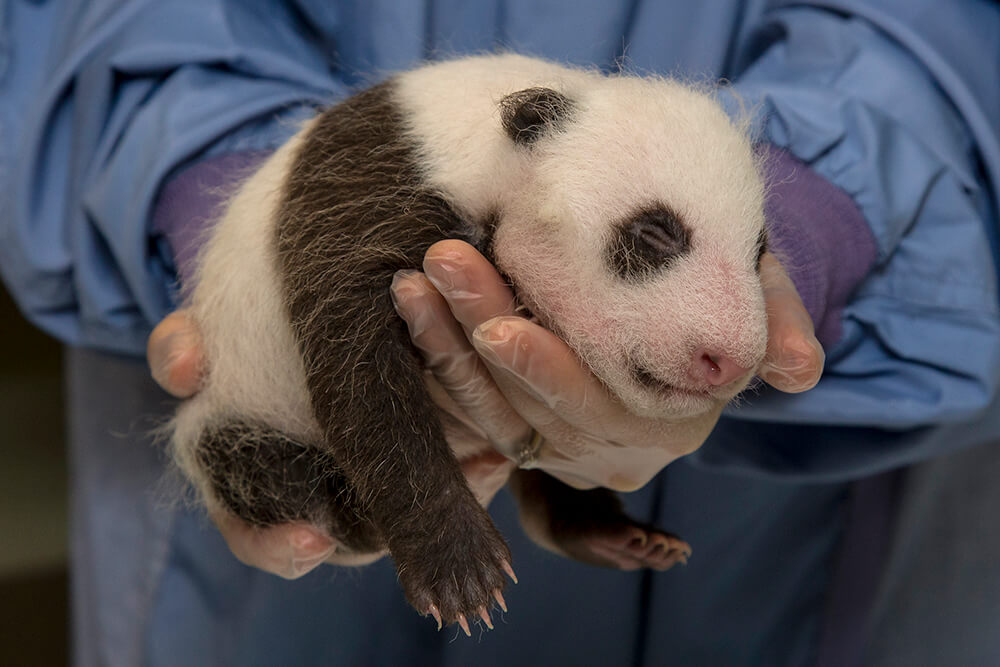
(527, 456)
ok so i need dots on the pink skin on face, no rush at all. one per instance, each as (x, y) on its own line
(674, 346)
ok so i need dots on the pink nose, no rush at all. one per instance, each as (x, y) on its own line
(714, 369)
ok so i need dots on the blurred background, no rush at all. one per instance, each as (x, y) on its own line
(33, 496)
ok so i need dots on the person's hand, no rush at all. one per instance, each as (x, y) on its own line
(176, 361)
(475, 346)
(502, 378)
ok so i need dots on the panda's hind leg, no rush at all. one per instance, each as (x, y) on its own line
(266, 478)
(591, 526)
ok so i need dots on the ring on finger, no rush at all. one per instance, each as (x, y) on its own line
(527, 456)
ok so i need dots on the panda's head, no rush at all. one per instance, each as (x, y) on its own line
(627, 211)
(634, 229)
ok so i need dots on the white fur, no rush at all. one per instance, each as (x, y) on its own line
(628, 142)
(255, 371)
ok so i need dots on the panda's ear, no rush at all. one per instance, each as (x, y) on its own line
(528, 114)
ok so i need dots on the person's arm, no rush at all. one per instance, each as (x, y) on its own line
(101, 102)
(896, 104)
(881, 100)
(885, 171)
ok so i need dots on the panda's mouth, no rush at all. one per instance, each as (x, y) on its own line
(650, 381)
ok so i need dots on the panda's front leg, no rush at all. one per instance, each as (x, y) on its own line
(382, 429)
(450, 558)
(590, 526)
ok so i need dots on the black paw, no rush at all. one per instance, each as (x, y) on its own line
(456, 574)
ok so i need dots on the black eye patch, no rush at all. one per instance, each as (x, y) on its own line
(528, 114)
(647, 242)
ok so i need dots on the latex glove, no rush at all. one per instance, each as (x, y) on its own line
(176, 361)
(475, 345)
(506, 376)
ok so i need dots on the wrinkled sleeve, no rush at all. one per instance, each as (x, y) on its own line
(100, 102)
(897, 104)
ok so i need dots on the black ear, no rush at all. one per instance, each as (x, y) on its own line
(528, 114)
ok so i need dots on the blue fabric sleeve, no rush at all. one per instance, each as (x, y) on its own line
(897, 103)
(108, 98)
(894, 101)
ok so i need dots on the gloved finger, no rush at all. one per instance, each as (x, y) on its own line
(457, 423)
(453, 361)
(539, 362)
(470, 290)
(475, 293)
(795, 358)
(175, 355)
(547, 370)
(287, 550)
(583, 461)
(586, 442)
(486, 470)
(584, 453)
(474, 290)
(487, 473)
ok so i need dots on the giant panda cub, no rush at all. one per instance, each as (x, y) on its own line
(627, 214)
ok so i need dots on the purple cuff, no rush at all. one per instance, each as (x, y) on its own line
(814, 227)
(820, 236)
(194, 198)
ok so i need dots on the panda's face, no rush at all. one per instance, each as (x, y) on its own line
(635, 232)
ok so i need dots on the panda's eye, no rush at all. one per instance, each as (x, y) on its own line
(647, 242)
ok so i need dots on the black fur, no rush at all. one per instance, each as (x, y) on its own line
(528, 114)
(647, 242)
(762, 246)
(355, 210)
(266, 478)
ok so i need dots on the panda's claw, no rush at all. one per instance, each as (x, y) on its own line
(433, 611)
(485, 615)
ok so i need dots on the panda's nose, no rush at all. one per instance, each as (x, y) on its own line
(714, 369)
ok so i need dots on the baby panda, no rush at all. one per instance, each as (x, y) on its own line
(627, 214)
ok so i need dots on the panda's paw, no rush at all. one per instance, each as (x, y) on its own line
(591, 526)
(457, 578)
(628, 546)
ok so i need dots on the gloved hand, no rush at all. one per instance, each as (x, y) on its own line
(501, 376)
(496, 377)
(291, 550)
